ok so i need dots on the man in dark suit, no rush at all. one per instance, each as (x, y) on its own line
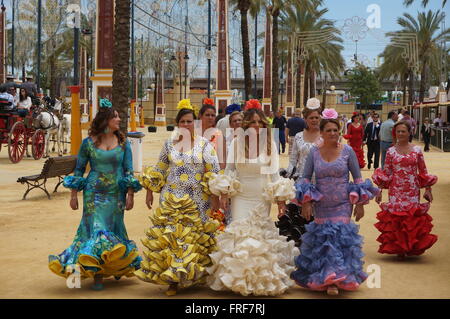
(372, 139)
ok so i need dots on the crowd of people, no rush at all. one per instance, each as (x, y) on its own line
(217, 184)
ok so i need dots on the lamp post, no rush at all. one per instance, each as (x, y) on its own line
(209, 48)
(91, 56)
(153, 87)
(39, 45)
(255, 90)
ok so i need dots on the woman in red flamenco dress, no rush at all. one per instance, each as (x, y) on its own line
(355, 135)
(404, 223)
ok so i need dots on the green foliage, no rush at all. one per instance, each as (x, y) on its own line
(364, 85)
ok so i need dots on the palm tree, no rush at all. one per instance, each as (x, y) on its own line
(121, 58)
(244, 6)
(324, 56)
(429, 35)
(424, 2)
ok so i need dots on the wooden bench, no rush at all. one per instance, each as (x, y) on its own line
(53, 167)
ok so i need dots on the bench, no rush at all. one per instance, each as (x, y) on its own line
(53, 167)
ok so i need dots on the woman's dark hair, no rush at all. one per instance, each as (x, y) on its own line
(206, 107)
(100, 124)
(182, 113)
(324, 122)
(353, 117)
(21, 97)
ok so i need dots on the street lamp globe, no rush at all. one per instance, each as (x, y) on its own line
(332, 88)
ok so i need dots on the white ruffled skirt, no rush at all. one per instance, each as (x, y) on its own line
(252, 258)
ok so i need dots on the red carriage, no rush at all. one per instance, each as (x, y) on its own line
(18, 132)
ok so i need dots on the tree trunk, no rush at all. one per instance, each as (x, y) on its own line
(306, 83)
(275, 60)
(404, 82)
(121, 60)
(312, 84)
(298, 83)
(411, 87)
(422, 82)
(324, 102)
(243, 7)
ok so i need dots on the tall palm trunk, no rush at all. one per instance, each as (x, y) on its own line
(298, 82)
(312, 84)
(306, 83)
(404, 82)
(275, 12)
(121, 59)
(411, 87)
(423, 79)
(324, 102)
(244, 5)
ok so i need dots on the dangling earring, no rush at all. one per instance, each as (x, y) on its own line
(107, 130)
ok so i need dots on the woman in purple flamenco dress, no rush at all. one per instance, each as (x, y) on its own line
(331, 250)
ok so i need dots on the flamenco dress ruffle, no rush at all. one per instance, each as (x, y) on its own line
(103, 252)
(405, 230)
(252, 258)
(178, 244)
(331, 251)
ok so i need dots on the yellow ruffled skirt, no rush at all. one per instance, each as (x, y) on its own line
(178, 244)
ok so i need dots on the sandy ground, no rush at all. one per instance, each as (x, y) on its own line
(32, 229)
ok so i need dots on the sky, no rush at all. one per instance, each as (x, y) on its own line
(375, 40)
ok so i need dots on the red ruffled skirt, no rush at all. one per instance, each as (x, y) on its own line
(405, 232)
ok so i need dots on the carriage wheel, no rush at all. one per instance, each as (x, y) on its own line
(38, 144)
(17, 142)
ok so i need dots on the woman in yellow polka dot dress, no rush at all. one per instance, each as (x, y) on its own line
(182, 234)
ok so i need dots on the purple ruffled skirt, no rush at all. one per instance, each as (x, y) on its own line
(331, 254)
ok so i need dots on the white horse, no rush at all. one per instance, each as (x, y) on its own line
(65, 131)
(50, 123)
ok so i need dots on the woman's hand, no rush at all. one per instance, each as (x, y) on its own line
(74, 200)
(307, 211)
(224, 202)
(281, 208)
(359, 212)
(215, 203)
(149, 199)
(378, 198)
(130, 201)
(428, 196)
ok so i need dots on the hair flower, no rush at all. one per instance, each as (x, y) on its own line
(329, 114)
(208, 101)
(105, 103)
(185, 104)
(313, 104)
(232, 108)
(253, 104)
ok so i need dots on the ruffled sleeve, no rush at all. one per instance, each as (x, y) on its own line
(362, 193)
(381, 179)
(221, 184)
(425, 179)
(154, 177)
(77, 181)
(307, 192)
(281, 190)
(128, 180)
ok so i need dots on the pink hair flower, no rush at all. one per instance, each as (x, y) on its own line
(329, 114)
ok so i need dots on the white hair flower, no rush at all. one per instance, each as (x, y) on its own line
(313, 103)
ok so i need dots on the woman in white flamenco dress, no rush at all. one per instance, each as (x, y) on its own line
(251, 257)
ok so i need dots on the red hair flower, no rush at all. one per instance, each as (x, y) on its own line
(253, 104)
(208, 101)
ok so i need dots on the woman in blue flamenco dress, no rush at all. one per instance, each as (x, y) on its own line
(331, 249)
(101, 247)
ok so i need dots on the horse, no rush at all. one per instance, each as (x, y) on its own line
(50, 123)
(65, 130)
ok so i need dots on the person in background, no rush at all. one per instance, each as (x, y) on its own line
(270, 118)
(24, 103)
(438, 120)
(372, 140)
(294, 125)
(279, 122)
(386, 139)
(224, 122)
(401, 114)
(30, 87)
(219, 116)
(13, 92)
(6, 100)
(407, 118)
(426, 133)
(370, 117)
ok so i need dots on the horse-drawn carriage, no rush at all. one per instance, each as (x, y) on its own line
(18, 132)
